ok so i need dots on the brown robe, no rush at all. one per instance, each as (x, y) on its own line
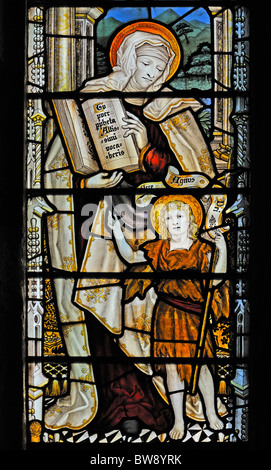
(180, 304)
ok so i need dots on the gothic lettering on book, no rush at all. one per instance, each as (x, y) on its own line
(93, 134)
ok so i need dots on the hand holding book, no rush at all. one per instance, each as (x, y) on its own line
(135, 127)
(103, 180)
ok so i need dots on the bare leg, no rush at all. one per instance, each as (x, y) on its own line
(206, 387)
(177, 400)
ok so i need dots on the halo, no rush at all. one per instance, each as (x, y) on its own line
(186, 199)
(147, 27)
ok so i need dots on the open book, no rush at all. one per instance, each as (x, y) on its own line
(93, 134)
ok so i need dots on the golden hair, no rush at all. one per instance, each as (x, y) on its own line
(180, 205)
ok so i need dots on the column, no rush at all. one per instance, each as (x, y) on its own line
(223, 139)
(240, 382)
(61, 70)
(85, 21)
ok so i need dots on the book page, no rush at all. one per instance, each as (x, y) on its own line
(75, 134)
(104, 118)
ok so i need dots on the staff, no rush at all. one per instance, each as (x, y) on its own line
(215, 215)
(203, 328)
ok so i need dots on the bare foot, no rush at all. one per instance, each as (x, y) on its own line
(215, 423)
(177, 432)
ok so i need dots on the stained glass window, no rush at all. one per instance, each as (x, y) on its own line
(137, 224)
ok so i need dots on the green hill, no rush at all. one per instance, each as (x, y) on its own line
(198, 24)
(167, 16)
(204, 35)
(105, 28)
(190, 40)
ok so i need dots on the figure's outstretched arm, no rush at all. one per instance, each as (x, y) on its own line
(128, 254)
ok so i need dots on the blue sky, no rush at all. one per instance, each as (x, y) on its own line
(199, 14)
(128, 14)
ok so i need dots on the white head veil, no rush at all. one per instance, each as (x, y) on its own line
(126, 64)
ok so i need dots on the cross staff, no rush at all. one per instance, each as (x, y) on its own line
(203, 327)
(213, 217)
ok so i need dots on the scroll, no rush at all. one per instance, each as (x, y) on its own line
(174, 180)
(215, 214)
(193, 180)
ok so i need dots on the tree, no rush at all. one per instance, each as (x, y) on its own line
(202, 56)
(183, 29)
